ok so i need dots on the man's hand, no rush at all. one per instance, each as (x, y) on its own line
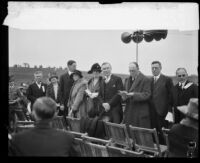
(130, 94)
(62, 107)
(106, 106)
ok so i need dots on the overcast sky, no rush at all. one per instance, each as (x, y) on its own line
(56, 47)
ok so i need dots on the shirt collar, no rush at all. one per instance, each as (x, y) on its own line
(108, 78)
(69, 72)
(39, 83)
(157, 77)
(180, 84)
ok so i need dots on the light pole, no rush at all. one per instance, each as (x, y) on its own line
(139, 35)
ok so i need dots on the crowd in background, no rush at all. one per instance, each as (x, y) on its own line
(140, 101)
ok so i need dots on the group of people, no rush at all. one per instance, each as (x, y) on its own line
(140, 100)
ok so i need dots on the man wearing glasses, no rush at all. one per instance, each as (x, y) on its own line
(183, 91)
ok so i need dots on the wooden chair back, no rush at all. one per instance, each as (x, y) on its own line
(143, 138)
(24, 125)
(165, 132)
(118, 134)
(59, 122)
(74, 124)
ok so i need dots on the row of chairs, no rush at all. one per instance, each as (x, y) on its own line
(94, 147)
(139, 139)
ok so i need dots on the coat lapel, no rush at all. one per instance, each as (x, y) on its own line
(135, 82)
(159, 82)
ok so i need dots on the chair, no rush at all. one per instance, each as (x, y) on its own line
(74, 124)
(77, 134)
(20, 115)
(23, 125)
(59, 122)
(97, 146)
(120, 152)
(144, 141)
(118, 134)
(165, 132)
(84, 149)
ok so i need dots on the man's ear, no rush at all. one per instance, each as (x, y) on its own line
(34, 115)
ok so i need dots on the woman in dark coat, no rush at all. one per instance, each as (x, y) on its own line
(53, 91)
(92, 92)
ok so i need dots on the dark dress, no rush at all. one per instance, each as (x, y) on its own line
(93, 105)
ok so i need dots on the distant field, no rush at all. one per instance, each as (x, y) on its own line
(22, 74)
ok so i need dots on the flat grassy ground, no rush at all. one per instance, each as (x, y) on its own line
(22, 74)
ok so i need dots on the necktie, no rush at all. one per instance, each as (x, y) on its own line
(155, 80)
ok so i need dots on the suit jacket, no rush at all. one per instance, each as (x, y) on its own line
(50, 93)
(65, 86)
(76, 99)
(109, 94)
(137, 107)
(162, 95)
(43, 140)
(182, 97)
(33, 92)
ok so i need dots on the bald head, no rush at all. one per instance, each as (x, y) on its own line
(133, 69)
(44, 108)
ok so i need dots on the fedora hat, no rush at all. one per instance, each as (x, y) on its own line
(190, 110)
(95, 67)
(76, 72)
(53, 75)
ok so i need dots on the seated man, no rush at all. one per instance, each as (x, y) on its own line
(43, 140)
(183, 137)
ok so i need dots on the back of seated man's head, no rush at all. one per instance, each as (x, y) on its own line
(44, 108)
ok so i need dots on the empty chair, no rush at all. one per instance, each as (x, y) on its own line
(83, 148)
(97, 146)
(165, 132)
(59, 122)
(74, 124)
(120, 152)
(118, 134)
(144, 141)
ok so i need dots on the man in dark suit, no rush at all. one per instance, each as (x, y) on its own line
(43, 140)
(161, 100)
(136, 97)
(108, 95)
(66, 84)
(183, 91)
(36, 89)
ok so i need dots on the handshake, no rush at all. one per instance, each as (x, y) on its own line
(90, 94)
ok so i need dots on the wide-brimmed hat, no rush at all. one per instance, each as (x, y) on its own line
(190, 110)
(95, 67)
(76, 72)
(53, 75)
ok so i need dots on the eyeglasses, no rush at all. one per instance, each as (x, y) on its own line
(181, 75)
